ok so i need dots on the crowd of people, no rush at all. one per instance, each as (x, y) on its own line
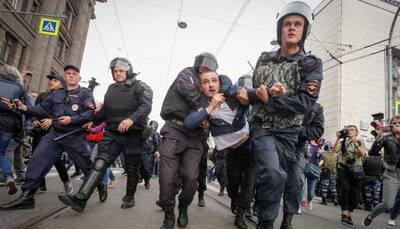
(267, 131)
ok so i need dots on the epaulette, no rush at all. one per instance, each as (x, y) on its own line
(309, 61)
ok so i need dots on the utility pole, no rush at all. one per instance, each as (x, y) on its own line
(389, 77)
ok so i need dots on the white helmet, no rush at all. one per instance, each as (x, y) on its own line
(295, 8)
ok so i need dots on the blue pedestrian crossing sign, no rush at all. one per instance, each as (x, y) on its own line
(49, 26)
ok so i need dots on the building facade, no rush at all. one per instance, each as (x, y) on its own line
(350, 36)
(22, 46)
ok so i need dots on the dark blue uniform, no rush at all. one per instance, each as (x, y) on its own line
(79, 105)
(276, 124)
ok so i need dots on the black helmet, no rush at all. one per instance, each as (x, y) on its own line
(125, 63)
(245, 81)
(295, 8)
(206, 59)
(328, 146)
(154, 124)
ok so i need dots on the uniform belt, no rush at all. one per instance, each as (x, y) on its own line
(176, 121)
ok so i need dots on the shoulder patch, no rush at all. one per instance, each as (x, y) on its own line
(312, 86)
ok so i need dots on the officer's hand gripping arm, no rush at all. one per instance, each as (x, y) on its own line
(311, 76)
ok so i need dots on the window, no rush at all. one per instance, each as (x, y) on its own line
(69, 13)
(17, 4)
(65, 54)
(35, 18)
(60, 49)
(7, 47)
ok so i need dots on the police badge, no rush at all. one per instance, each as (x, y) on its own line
(74, 107)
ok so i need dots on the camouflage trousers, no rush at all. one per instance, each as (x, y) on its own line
(373, 191)
(328, 187)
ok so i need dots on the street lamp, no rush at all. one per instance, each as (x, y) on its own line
(389, 77)
(182, 24)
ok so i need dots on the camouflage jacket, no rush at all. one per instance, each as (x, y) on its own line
(301, 75)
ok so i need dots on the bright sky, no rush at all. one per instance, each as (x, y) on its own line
(145, 32)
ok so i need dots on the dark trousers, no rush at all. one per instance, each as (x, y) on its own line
(275, 158)
(220, 167)
(348, 190)
(180, 154)
(130, 144)
(201, 178)
(49, 151)
(146, 166)
(241, 173)
(59, 164)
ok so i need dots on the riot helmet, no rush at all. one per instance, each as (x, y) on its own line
(295, 8)
(245, 81)
(125, 64)
(207, 60)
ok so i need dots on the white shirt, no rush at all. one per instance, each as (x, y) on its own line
(227, 140)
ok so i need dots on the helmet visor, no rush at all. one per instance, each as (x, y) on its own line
(206, 62)
(120, 64)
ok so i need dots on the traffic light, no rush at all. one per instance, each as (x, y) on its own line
(377, 123)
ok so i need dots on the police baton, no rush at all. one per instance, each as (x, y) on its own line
(68, 134)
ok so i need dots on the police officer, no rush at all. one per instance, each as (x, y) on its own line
(42, 127)
(311, 129)
(288, 83)
(150, 145)
(181, 149)
(127, 104)
(70, 108)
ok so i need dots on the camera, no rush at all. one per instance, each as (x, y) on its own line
(343, 133)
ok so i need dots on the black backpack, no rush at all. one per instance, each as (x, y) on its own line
(373, 166)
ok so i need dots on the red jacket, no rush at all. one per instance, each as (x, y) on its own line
(92, 137)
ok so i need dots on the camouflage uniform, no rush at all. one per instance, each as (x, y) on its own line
(328, 176)
(276, 124)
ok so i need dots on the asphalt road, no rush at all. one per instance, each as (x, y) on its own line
(50, 213)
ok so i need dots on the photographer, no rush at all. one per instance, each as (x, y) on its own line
(350, 156)
(391, 177)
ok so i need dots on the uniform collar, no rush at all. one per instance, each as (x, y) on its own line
(293, 57)
(75, 90)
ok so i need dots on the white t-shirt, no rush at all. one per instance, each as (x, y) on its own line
(227, 140)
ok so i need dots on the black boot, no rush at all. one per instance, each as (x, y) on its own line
(93, 179)
(102, 189)
(334, 200)
(158, 203)
(265, 225)
(233, 206)
(128, 202)
(25, 201)
(201, 200)
(132, 179)
(287, 221)
(323, 202)
(239, 219)
(183, 219)
(169, 220)
(147, 183)
(221, 191)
